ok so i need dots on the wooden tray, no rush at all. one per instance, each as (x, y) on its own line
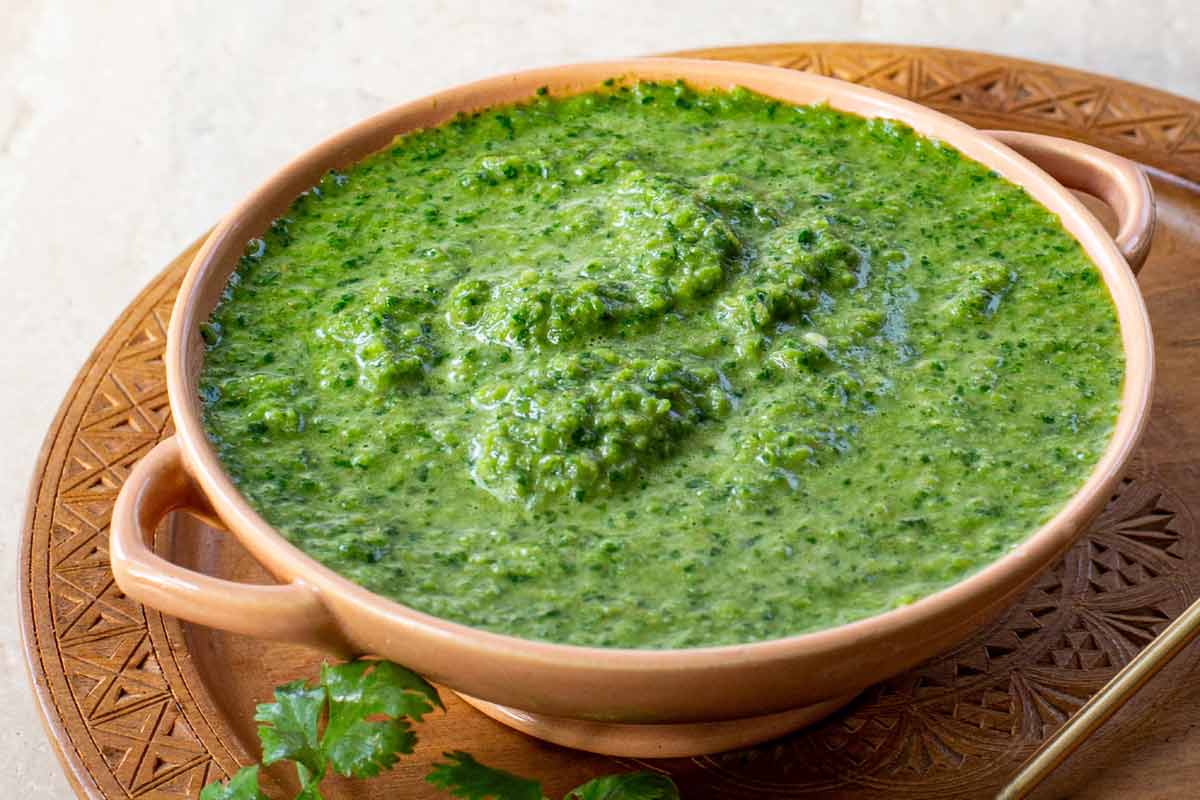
(139, 705)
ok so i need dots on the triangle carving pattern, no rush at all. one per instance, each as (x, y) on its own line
(110, 666)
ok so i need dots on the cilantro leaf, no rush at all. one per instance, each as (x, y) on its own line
(310, 790)
(290, 728)
(421, 696)
(361, 747)
(390, 688)
(242, 786)
(466, 778)
(627, 786)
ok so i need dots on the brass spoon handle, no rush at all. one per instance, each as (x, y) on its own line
(1096, 711)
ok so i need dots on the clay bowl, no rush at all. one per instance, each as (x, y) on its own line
(624, 702)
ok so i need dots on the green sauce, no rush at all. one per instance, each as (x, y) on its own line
(652, 367)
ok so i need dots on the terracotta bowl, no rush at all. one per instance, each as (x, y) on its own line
(625, 702)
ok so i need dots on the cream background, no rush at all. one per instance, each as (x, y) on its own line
(127, 128)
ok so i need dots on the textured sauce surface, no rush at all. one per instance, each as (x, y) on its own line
(652, 367)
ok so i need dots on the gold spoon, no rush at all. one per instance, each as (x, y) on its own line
(1096, 711)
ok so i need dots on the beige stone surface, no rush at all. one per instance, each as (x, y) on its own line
(126, 128)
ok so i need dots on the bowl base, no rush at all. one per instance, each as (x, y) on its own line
(658, 740)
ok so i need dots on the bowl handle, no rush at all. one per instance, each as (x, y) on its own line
(159, 484)
(1117, 181)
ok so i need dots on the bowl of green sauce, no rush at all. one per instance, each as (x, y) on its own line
(657, 406)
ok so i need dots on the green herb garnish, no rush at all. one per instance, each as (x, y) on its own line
(242, 786)
(466, 778)
(356, 720)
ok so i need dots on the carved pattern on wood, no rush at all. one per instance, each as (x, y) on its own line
(110, 667)
(128, 726)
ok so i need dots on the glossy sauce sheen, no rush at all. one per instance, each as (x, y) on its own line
(652, 367)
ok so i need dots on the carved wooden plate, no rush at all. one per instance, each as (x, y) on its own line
(139, 705)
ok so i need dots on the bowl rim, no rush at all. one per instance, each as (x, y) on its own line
(218, 255)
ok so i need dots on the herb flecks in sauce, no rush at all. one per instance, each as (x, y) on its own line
(652, 367)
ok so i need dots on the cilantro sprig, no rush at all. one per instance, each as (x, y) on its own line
(464, 777)
(356, 720)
